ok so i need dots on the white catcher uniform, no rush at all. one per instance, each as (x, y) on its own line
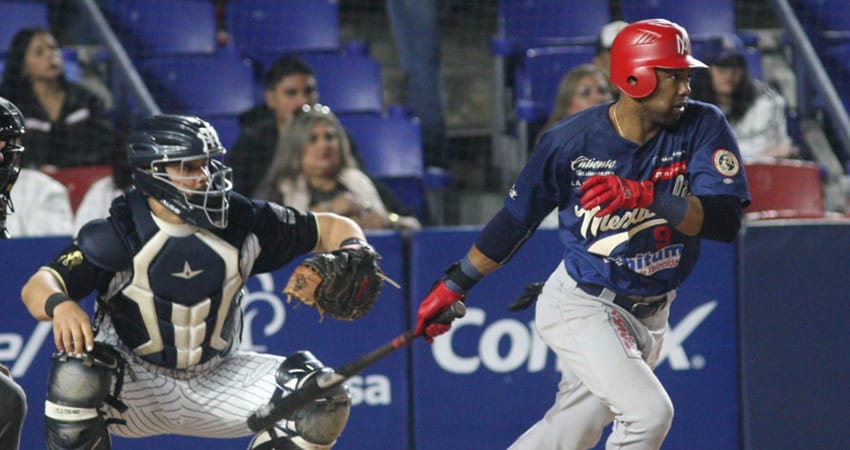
(169, 301)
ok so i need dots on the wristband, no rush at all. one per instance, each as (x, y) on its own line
(347, 242)
(670, 207)
(53, 301)
(462, 276)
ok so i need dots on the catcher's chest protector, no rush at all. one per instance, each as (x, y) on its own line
(180, 304)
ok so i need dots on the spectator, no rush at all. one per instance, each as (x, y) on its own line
(42, 206)
(65, 122)
(98, 198)
(416, 31)
(582, 87)
(603, 45)
(756, 112)
(313, 169)
(290, 84)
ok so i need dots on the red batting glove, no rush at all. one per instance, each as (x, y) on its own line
(439, 299)
(612, 193)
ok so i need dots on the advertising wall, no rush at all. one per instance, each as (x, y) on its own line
(380, 393)
(477, 388)
(492, 377)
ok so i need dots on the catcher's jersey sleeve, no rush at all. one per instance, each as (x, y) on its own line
(283, 233)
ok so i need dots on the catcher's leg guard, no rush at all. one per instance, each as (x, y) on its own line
(77, 387)
(316, 426)
(13, 409)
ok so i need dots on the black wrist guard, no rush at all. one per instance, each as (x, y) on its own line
(53, 301)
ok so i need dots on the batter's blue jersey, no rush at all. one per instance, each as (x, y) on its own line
(629, 251)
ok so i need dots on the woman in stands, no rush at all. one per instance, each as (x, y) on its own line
(313, 169)
(65, 122)
(756, 112)
(582, 87)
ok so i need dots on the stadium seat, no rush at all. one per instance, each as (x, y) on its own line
(18, 15)
(349, 81)
(205, 85)
(784, 189)
(525, 24)
(78, 180)
(827, 21)
(152, 28)
(699, 17)
(260, 27)
(537, 78)
(390, 147)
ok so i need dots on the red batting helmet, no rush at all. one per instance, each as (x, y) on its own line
(644, 46)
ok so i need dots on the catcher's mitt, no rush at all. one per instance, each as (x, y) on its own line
(343, 283)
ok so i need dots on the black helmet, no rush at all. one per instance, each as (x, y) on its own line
(166, 139)
(11, 129)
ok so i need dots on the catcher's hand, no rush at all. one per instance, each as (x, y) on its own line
(343, 283)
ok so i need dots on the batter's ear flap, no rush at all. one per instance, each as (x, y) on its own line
(641, 82)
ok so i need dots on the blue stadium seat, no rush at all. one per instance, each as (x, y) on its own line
(205, 85)
(349, 81)
(18, 15)
(525, 24)
(536, 80)
(390, 146)
(150, 28)
(227, 127)
(699, 17)
(283, 26)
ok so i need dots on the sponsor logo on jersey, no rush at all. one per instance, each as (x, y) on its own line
(669, 172)
(584, 166)
(726, 162)
(651, 262)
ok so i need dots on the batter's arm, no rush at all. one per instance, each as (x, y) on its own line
(691, 224)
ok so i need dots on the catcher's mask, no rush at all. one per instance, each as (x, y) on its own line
(646, 45)
(199, 190)
(11, 130)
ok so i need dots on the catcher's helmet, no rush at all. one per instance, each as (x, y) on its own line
(11, 129)
(166, 139)
(646, 45)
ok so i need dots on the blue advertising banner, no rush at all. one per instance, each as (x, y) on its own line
(489, 379)
(379, 416)
(794, 336)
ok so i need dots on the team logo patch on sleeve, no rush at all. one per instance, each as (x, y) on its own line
(71, 259)
(726, 162)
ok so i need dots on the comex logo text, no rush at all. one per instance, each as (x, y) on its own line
(526, 350)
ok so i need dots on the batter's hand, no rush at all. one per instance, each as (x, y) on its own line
(72, 332)
(439, 299)
(611, 193)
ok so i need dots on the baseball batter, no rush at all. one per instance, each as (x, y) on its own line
(637, 184)
(168, 265)
(13, 401)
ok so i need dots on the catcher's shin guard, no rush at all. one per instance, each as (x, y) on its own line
(77, 388)
(314, 427)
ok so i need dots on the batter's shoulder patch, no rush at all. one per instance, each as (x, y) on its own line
(726, 162)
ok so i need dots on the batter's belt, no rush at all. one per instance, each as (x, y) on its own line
(640, 307)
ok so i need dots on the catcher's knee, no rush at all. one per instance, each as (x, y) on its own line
(77, 388)
(314, 427)
(13, 405)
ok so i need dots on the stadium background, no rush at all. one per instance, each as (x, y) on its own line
(483, 127)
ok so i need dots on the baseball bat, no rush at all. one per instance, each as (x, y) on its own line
(269, 414)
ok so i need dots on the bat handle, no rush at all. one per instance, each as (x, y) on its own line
(455, 311)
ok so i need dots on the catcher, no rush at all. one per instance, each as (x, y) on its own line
(161, 355)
